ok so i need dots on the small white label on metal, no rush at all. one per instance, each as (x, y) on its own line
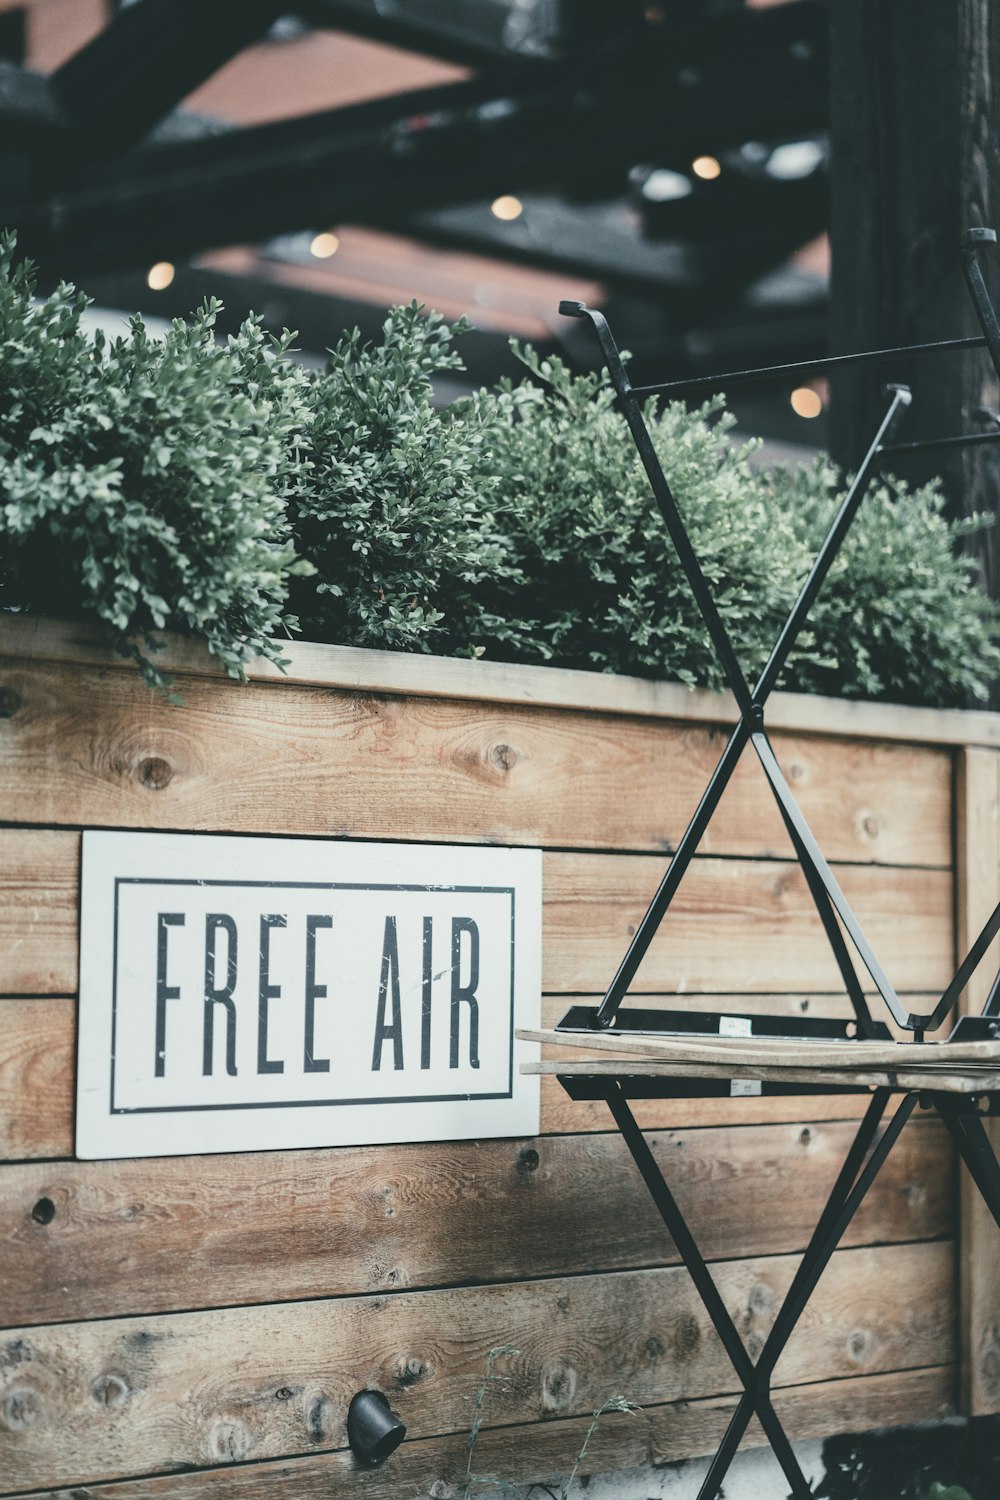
(743, 1088)
(735, 1026)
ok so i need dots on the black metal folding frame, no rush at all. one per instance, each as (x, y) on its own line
(750, 727)
(869, 1150)
(853, 1182)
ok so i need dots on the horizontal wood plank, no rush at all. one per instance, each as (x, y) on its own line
(38, 1042)
(102, 1239)
(843, 1058)
(79, 747)
(977, 860)
(546, 1452)
(39, 894)
(37, 1051)
(91, 1401)
(31, 638)
(735, 926)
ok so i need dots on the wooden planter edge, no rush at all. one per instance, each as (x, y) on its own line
(356, 669)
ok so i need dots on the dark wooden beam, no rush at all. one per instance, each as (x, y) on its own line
(577, 127)
(916, 161)
(477, 33)
(145, 62)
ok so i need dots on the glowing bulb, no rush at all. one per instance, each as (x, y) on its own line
(806, 402)
(662, 186)
(324, 245)
(706, 167)
(507, 208)
(159, 277)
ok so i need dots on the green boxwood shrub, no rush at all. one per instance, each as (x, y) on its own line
(900, 615)
(206, 487)
(143, 482)
(396, 511)
(603, 588)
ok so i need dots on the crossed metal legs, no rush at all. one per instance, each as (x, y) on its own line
(974, 1147)
(864, 1161)
(869, 1150)
(830, 901)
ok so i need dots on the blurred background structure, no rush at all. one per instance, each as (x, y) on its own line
(683, 163)
(669, 161)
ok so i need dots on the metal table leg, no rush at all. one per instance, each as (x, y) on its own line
(975, 1149)
(862, 1164)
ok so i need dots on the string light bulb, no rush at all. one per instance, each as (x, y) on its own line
(707, 168)
(806, 402)
(507, 208)
(159, 277)
(324, 245)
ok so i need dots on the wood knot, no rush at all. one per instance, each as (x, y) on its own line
(558, 1386)
(143, 1339)
(44, 1211)
(413, 1370)
(795, 771)
(761, 1298)
(154, 773)
(110, 1391)
(528, 1159)
(860, 1345)
(504, 757)
(687, 1338)
(21, 1408)
(318, 1419)
(11, 702)
(229, 1442)
(377, 1271)
(805, 1136)
(17, 1352)
(870, 826)
(989, 1359)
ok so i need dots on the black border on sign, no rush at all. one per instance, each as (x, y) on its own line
(321, 885)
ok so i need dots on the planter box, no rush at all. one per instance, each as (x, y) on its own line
(184, 1313)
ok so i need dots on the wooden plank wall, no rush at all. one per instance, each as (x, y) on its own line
(977, 824)
(179, 1329)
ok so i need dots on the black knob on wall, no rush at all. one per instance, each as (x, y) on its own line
(373, 1431)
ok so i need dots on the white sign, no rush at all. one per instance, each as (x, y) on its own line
(250, 994)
